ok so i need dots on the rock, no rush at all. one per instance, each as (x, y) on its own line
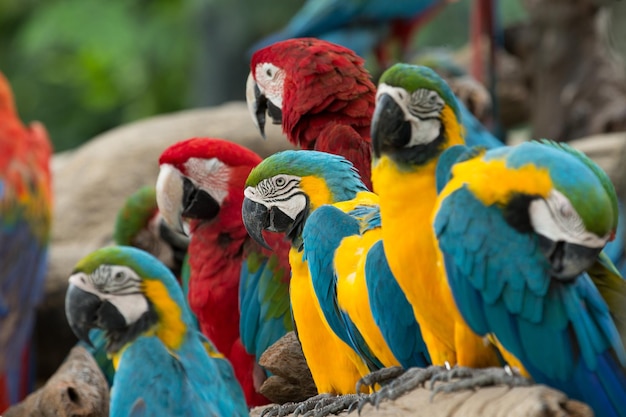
(91, 184)
(291, 379)
(77, 389)
(534, 401)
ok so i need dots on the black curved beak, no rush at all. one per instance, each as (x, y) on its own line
(256, 219)
(389, 129)
(260, 108)
(567, 260)
(197, 203)
(81, 310)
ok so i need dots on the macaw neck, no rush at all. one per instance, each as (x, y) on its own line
(304, 129)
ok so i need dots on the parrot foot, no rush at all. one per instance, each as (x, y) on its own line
(406, 382)
(319, 406)
(379, 377)
(472, 378)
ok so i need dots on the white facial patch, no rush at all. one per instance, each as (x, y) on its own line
(119, 285)
(212, 175)
(421, 109)
(169, 195)
(270, 79)
(281, 191)
(556, 219)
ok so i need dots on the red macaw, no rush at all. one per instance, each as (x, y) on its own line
(321, 94)
(25, 214)
(200, 191)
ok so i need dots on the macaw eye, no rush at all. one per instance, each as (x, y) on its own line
(119, 276)
(269, 72)
(433, 97)
(280, 181)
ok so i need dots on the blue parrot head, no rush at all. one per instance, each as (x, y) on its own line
(416, 115)
(563, 197)
(126, 292)
(282, 190)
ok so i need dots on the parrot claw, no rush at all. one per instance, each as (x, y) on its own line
(318, 406)
(379, 377)
(472, 378)
(406, 382)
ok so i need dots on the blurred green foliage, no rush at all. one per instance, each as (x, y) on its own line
(86, 66)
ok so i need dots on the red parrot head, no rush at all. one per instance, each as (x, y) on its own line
(304, 83)
(203, 179)
(7, 105)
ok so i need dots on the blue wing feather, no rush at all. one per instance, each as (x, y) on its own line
(188, 384)
(265, 314)
(392, 311)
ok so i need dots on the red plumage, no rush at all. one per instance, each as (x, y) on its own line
(217, 250)
(325, 86)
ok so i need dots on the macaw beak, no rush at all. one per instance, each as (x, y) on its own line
(259, 106)
(256, 219)
(169, 196)
(197, 203)
(389, 129)
(567, 260)
(80, 309)
(178, 198)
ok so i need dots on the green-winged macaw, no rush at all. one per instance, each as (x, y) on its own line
(416, 119)
(25, 219)
(521, 230)
(338, 267)
(162, 363)
(238, 290)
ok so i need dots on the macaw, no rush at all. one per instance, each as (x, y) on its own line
(321, 94)
(361, 25)
(25, 217)
(162, 363)
(521, 230)
(289, 192)
(139, 224)
(416, 119)
(238, 290)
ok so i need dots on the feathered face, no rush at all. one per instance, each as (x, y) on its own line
(199, 178)
(275, 204)
(283, 189)
(289, 78)
(408, 120)
(110, 296)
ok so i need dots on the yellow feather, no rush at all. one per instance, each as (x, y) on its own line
(335, 367)
(317, 190)
(171, 328)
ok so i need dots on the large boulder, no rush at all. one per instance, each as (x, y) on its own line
(92, 182)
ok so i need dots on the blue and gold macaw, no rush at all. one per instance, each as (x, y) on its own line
(416, 119)
(163, 365)
(279, 195)
(521, 230)
(318, 200)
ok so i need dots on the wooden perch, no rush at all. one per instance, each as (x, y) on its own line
(534, 401)
(77, 389)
